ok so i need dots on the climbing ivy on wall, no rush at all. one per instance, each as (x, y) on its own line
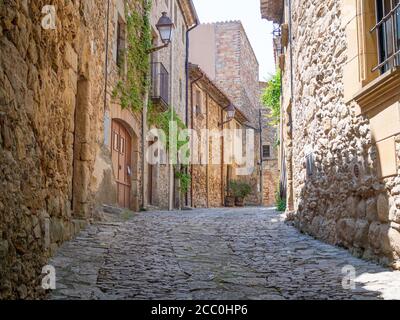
(162, 120)
(132, 90)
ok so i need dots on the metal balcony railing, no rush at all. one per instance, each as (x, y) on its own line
(159, 83)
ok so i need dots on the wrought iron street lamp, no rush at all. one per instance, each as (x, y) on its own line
(165, 28)
(231, 111)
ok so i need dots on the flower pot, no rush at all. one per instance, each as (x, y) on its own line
(239, 202)
(229, 201)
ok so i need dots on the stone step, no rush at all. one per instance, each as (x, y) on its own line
(112, 210)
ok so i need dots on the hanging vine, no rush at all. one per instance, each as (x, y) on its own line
(162, 120)
(132, 90)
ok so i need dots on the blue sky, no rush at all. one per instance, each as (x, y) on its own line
(258, 30)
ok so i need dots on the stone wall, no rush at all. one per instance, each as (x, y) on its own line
(206, 109)
(38, 85)
(340, 198)
(270, 164)
(237, 73)
(56, 166)
(173, 59)
(237, 68)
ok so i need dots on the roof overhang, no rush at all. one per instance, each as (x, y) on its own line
(189, 12)
(197, 74)
(272, 10)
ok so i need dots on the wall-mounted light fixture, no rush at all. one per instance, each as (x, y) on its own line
(231, 111)
(165, 28)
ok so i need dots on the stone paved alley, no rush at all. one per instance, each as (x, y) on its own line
(210, 254)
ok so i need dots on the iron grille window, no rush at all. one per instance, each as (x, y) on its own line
(266, 151)
(120, 42)
(387, 29)
(160, 83)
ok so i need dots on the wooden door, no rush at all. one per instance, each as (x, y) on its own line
(121, 158)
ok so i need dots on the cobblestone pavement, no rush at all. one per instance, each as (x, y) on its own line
(210, 254)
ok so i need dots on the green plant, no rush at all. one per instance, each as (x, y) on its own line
(271, 98)
(184, 179)
(162, 121)
(239, 189)
(280, 202)
(132, 90)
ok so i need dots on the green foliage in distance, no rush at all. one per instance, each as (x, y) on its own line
(271, 98)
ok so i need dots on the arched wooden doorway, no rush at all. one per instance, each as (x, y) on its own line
(121, 149)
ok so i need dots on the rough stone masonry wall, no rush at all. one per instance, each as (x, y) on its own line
(215, 170)
(342, 202)
(270, 165)
(237, 73)
(39, 73)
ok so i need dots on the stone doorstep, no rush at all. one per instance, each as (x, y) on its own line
(112, 209)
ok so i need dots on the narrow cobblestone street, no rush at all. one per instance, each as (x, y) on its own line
(210, 254)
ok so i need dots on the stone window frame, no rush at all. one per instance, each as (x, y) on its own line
(362, 57)
(388, 31)
(372, 94)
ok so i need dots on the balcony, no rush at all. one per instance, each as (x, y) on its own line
(159, 84)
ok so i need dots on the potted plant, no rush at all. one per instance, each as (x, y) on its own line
(241, 191)
(230, 197)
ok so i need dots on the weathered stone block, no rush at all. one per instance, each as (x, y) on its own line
(3, 248)
(345, 230)
(56, 230)
(390, 240)
(71, 57)
(371, 210)
(374, 235)
(361, 209)
(361, 233)
(351, 207)
(383, 208)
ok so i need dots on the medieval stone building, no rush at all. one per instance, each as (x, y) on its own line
(341, 120)
(169, 91)
(225, 54)
(52, 110)
(67, 145)
(211, 170)
(269, 156)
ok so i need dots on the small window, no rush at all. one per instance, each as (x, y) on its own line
(183, 33)
(176, 14)
(120, 42)
(167, 3)
(266, 151)
(115, 141)
(122, 146)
